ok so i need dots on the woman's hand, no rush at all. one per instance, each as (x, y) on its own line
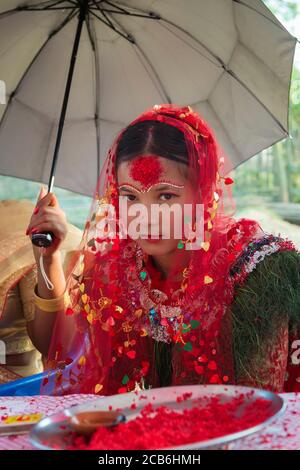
(48, 217)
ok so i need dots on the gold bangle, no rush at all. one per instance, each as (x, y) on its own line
(49, 305)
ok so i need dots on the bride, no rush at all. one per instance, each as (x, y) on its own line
(182, 293)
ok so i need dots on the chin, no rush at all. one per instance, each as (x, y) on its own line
(159, 248)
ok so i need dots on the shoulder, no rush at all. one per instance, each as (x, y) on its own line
(267, 283)
(266, 252)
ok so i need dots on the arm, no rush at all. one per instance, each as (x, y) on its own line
(47, 217)
(40, 327)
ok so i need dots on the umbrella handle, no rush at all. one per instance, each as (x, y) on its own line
(42, 239)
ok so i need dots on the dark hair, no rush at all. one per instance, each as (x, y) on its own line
(153, 137)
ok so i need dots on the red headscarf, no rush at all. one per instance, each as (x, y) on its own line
(117, 328)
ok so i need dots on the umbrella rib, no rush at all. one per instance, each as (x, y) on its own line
(123, 11)
(220, 123)
(105, 16)
(93, 41)
(113, 28)
(128, 14)
(44, 6)
(166, 97)
(56, 2)
(232, 74)
(108, 20)
(194, 48)
(54, 32)
(265, 148)
(220, 61)
(48, 9)
(18, 9)
(116, 6)
(9, 12)
(132, 41)
(280, 26)
(156, 16)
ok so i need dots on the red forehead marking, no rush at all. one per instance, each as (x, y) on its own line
(146, 170)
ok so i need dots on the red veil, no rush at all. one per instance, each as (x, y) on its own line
(123, 327)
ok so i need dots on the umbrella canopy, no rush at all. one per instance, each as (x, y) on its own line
(231, 60)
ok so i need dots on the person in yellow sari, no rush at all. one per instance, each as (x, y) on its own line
(18, 276)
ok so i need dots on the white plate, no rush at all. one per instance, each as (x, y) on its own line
(11, 413)
(55, 432)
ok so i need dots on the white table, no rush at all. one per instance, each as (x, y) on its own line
(284, 433)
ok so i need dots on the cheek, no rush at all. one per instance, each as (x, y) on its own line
(124, 217)
(135, 218)
(182, 223)
(171, 221)
(191, 195)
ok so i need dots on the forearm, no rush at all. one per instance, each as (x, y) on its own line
(41, 328)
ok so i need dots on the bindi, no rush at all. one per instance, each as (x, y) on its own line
(146, 170)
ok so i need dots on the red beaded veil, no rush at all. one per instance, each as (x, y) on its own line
(125, 327)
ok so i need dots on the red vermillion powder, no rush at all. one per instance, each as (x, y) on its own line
(161, 427)
(146, 170)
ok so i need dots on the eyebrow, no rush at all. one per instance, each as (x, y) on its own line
(169, 186)
(160, 187)
(125, 186)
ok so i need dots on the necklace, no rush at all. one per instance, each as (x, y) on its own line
(165, 315)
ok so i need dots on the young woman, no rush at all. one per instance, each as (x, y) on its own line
(203, 300)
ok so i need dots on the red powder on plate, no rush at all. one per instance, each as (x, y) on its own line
(161, 427)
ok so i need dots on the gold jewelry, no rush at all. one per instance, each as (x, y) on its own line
(50, 305)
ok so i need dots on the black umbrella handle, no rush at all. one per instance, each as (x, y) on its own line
(44, 239)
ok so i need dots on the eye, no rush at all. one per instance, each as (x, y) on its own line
(130, 197)
(168, 196)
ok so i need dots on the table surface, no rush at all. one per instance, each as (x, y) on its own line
(283, 433)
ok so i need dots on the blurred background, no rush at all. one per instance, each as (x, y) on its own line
(267, 187)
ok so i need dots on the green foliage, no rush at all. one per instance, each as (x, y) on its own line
(274, 174)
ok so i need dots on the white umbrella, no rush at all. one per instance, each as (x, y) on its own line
(229, 60)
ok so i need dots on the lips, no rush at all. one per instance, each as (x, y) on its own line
(152, 240)
(152, 237)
